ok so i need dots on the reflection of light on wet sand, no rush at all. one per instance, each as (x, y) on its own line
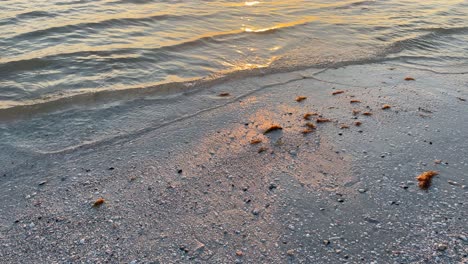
(314, 163)
(251, 3)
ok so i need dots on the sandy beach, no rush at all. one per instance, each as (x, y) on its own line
(183, 183)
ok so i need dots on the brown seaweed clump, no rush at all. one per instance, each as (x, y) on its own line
(358, 123)
(322, 120)
(255, 141)
(367, 113)
(300, 98)
(356, 112)
(307, 131)
(425, 179)
(99, 202)
(307, 116)
(273, 128)
(355, 101)
(410, 79)
(338, 92)
(224, 94)
(386, 106)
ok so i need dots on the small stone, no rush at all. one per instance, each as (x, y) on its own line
(239, 253)
(82, 241)
(326, 242)
(341, 200)
(362, 190)
(42, 183)
(255, 211)
(442, 247)
(32, 225)
(290, 252)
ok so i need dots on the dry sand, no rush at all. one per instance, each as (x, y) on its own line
(182, 183)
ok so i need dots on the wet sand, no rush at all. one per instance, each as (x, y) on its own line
(190, 187)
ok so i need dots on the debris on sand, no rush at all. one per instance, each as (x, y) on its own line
(356, 112)
(307, 131)
(99, 202)
(386, 106)
(344, 126)
(425, 178)
(461, 99)
(322, 120)
(262, 149)
(300, 98)
(239, 253)
(437, 161)
(255, 141)
(358, 123)
(338, 92)
(307, 116)
(367, 113)
(311, 125)
(224, 94)
(273, 128)
(410, 79)
(355, 101)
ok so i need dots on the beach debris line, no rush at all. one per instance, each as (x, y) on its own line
(338, 92)
(300, 98)
(409, 79)
(272, 128)
(224, 94)
(386, 106)
(255, 141)
(99, 202)
(425, 179)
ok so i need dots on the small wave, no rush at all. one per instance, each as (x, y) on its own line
(354, 4)
(35, 14)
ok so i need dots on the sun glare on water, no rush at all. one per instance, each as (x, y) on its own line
(251, 3)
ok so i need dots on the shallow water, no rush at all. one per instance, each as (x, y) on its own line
(56, 49)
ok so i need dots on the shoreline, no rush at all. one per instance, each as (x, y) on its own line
(182, 183)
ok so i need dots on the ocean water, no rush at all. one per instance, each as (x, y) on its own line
(54, 50)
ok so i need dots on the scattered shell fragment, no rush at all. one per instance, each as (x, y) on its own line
(425, 178)
(300, 98)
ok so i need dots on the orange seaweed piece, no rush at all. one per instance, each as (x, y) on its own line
(224, 94)
(99, 202)
(322, 120)
(273, 128)
(410, 79)
(307, 131)
(355, 101)
(425, 179)
(386, 106)
(338, 92)
(300, 98)
(255, 141)
(308, 115)
(367, 113)
(311, 125)
(344, 126)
